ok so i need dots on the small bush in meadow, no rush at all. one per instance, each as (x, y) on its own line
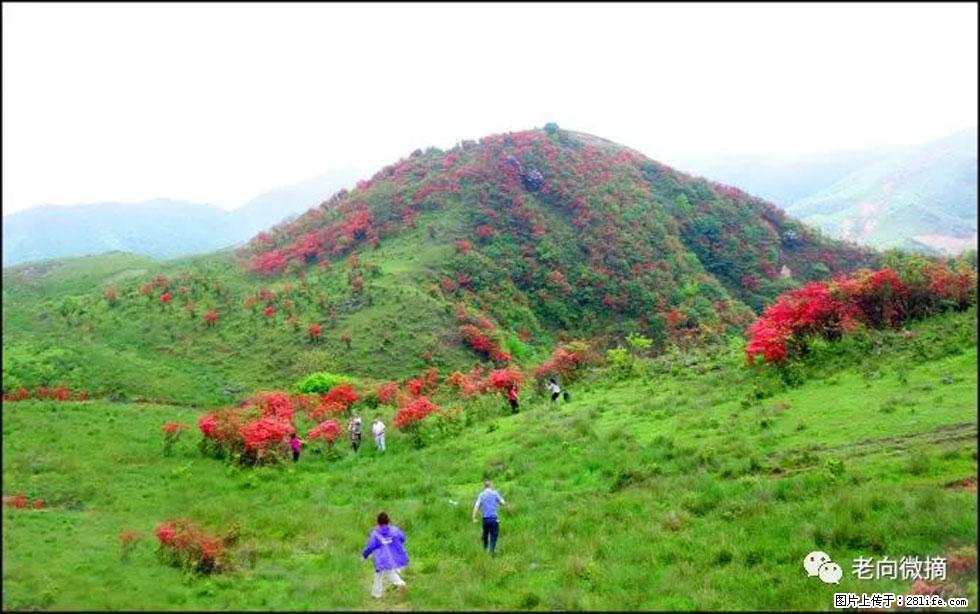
(183, 544)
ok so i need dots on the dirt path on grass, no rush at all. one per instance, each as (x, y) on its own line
(960, 431)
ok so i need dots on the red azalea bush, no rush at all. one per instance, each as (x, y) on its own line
(269, 311)
(327, 431)
(165, 298)
(468, 384)
(183, 544)
(275, 404)
(414, 412)
(342, 394)
(504, 379)
(264, 437)
(563, 363)
(315, 330)
(48, 393)
(387, 392)
(414, 386)
(210, 318)
(21, 394)
(171, 433)
(876, 299)
(18, 501)
(337, 400)
(478, 341)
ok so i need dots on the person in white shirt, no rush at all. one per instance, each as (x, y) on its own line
(555, 390)
(378, 428)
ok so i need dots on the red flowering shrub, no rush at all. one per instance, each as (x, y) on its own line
(484, 231)
(210, 318)
(562, 363)
(59, 393)
(414, 386)
(387, 392)
(146, 289)
(414, 412)
(874, 298)
(477, 340)
(269, 311)
(171, 433)
(325, 408)
(221, 431)
(337, 400)
(448, 285)
(264, 437)
(468, 384)
(184, 545)
(18, 501)
(315, 331)
(504, 379)
(165, 298)
(327, 431)
(343, 394)
(275, 404)
(463, 245)
(20, 394)
(110, 295)
(305, 402)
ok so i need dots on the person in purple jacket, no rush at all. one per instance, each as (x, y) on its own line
(387, 543)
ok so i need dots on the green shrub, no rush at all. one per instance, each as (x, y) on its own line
(321, 381)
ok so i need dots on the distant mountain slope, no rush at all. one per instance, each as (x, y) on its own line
(272, 207)
(921, 196)
(780, 180)
(160, 228)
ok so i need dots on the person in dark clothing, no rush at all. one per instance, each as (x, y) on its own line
(354, 427)
(512, 397)
(555, 390)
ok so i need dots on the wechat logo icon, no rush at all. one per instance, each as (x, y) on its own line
(819, 564)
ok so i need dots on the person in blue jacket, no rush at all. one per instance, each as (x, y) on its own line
(387, 544)
(488, 501)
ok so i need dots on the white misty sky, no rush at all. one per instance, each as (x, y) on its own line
(218, 103)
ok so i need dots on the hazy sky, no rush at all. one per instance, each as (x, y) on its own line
(217, 103)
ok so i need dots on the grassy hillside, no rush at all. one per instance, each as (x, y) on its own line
(695, 483)
(536, 236)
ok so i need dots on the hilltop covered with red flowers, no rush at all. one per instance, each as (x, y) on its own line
(581, 230)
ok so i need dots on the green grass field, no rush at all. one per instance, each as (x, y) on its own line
(694, 483)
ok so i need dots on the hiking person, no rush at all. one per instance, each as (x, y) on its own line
(555, 390)
(487, 501)
(387, 544)
(354, 427)
(378, 428)
(512, 397)
(296, 445)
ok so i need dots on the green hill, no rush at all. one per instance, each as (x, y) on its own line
(695, 484)
(536, 236)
